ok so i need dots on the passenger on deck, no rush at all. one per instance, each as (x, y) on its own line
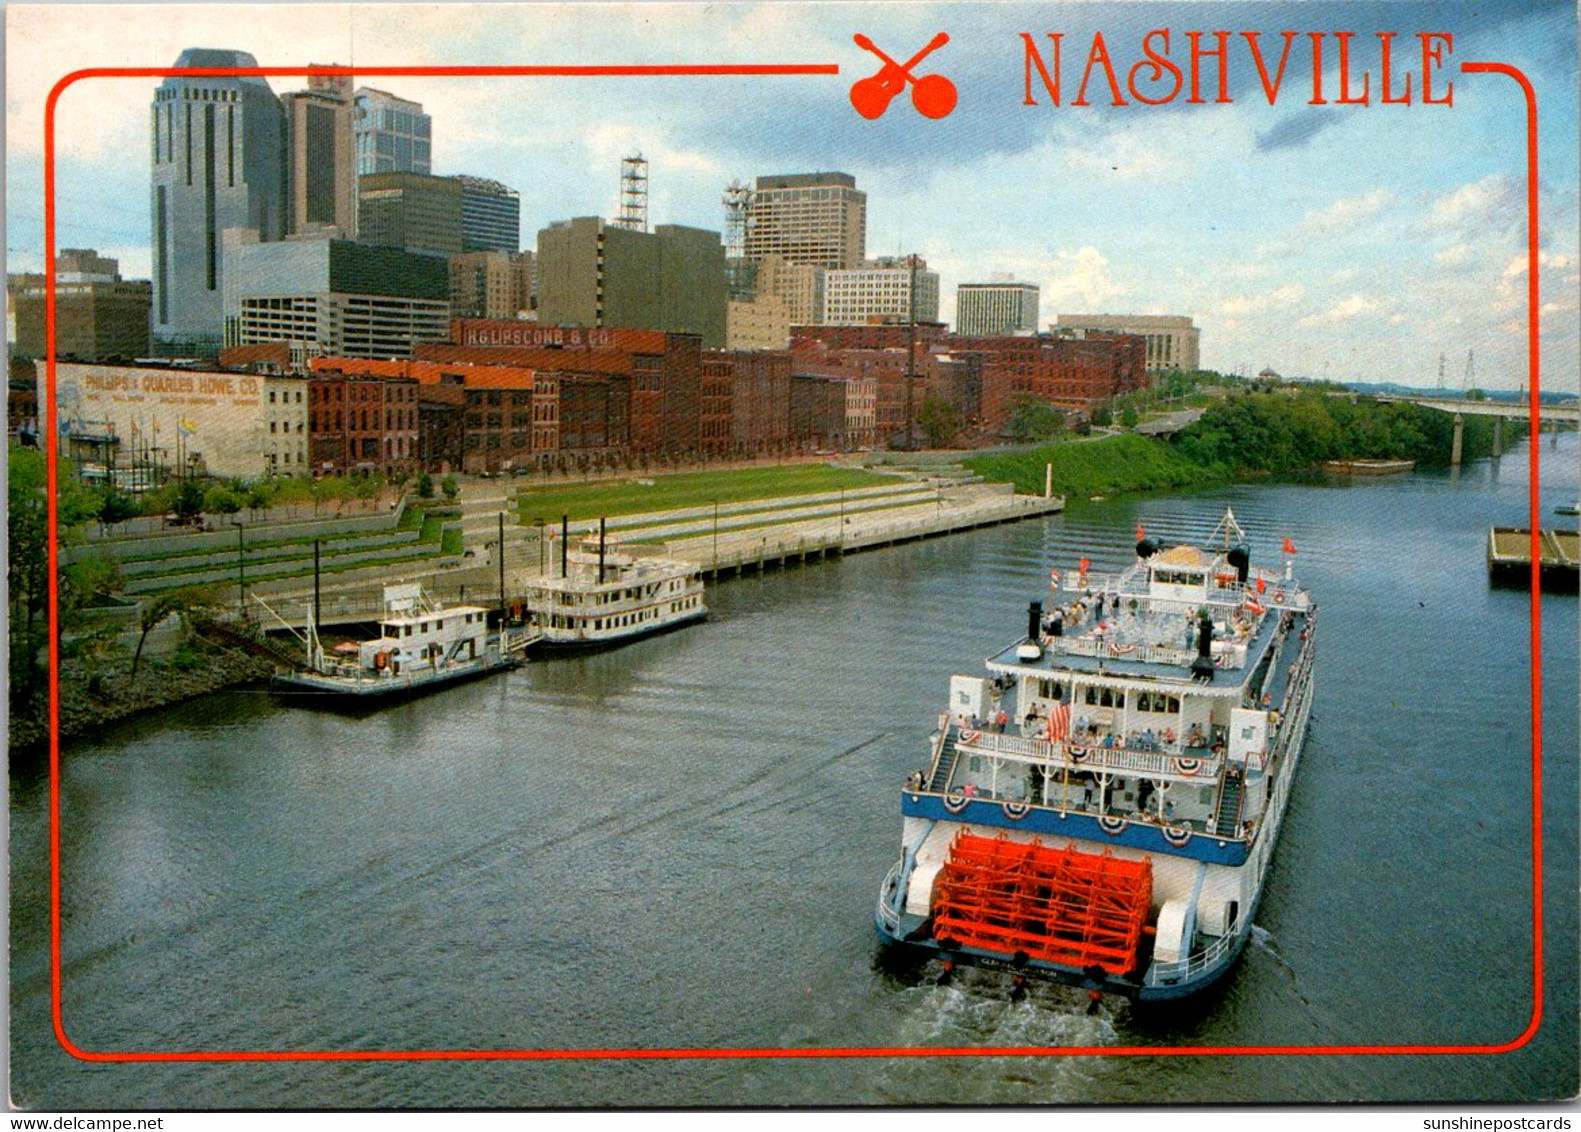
(1000, 721)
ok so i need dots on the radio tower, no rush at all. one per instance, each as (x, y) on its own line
(740, 276)
(1440, 373)
(1471, 367)
(633, 194)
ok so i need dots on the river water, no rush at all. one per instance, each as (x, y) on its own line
(678, 845)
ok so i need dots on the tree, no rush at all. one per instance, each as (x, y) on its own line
(1129, 416)
(117, 508)
(1031, 419)
(450, 487)
(425, 486)
(938, 420)
(223, 500)
(1476, 395)
(258, 498)
(187, 502)
(182, 602)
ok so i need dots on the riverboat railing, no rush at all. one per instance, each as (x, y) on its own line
(1114, 650)
(1075, 756)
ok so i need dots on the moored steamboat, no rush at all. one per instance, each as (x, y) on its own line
(1101, 808)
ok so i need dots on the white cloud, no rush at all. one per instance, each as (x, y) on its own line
(1343, 311)
(1345, 214)
(1082, 281)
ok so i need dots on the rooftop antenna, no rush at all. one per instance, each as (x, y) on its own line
(633, 193)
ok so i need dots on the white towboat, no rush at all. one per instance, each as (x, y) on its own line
(1102, 807)
(421, 645)
(603, 595)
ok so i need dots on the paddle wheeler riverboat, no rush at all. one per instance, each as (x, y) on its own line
(421, 645)
(1101, 808)
(603, 595)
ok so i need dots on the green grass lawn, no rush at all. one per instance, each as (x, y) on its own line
(1099, 467)
(689, 489)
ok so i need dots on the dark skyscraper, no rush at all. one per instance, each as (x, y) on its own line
(491, 215)
(217, 163)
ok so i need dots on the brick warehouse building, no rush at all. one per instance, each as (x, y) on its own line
(982, 378)
(491, 418)
(665, 372)
(358, 422)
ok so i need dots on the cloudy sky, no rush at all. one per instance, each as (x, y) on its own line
(1322, 240)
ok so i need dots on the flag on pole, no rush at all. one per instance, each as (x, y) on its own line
(1141, 532)
(186, 427)
(1059, 723)
(1053, 579)
(1262, 585)
(1081, 572)
(1290, 547)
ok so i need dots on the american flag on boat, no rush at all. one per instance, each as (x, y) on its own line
(1059, 723)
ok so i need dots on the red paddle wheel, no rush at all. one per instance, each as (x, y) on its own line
(1059, 905)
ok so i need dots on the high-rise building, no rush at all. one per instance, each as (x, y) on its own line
(882, 291)
(217, 163)
(496, 285)
(393, 134)
(817, 218)
(98, 316)
(412, 211)
(591, 273)
(1172, 341)
(321, 172)
(996, 308)
(335, 297)
(491, 215)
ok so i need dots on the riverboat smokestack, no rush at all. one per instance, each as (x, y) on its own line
(1240, 558)
(1146, 548)
(1202, 667)
(1034, 621)
(601, 551)
(565, 544)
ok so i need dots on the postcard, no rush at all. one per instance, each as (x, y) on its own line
(631, 556)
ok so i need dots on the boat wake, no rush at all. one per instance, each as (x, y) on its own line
(978, 1010)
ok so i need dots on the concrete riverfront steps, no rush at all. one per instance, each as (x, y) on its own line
(753, 535)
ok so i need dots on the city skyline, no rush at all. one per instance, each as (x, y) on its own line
(1341, 242)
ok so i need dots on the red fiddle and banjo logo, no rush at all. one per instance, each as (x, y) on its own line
(933, 95)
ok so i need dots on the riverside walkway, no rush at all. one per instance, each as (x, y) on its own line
(745, 537)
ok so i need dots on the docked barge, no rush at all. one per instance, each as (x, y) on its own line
(1100, 809)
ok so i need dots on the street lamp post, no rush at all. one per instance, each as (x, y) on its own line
(241, 561)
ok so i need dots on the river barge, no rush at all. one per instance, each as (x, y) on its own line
(603, 595)
(1100, 809)
(1510, 558)
(421, 645)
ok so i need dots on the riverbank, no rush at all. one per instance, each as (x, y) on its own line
(92, 697)
(1107, 466)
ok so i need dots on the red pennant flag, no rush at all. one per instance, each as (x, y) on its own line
(1290, 547)
(1141, 532)
(1084, 565)
(1262, 585)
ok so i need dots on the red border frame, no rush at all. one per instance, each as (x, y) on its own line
(52, 445)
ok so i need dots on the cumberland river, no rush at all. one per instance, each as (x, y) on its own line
(679, 845)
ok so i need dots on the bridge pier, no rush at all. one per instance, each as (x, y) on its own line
(1460, 437)
(1498, 436)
